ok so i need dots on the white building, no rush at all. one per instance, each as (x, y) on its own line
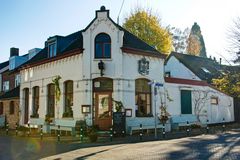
(191, 95)
(129, 65)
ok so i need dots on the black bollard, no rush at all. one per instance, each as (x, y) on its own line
(58, 135)
(188, 129)
(223, 126)
(111, 134)
(7, 128)
(207, 128)
(81, 134)
(41, 132)
(141, 132)
(123, 133)
(28, 133)
(16, 129)
(163, 131)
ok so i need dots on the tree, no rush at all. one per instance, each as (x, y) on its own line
(234, 39)
(179, 38)
(229, 83)
(196, 45)
(146, 26)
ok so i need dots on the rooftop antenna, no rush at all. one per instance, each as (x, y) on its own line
(120, 12)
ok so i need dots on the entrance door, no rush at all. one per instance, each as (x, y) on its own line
(103, 110)
(186, 102)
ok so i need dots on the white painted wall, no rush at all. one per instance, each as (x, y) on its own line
(179, 70)
(214, 113)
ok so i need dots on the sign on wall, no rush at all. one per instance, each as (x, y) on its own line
(143, 66)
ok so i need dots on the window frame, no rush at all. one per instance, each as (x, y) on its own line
(102, 45)
(146, 95)
(1, 108)
(216, 101)
(35, 99)
(52, 98)
(67, 94)
(11, 107)
(52, 52)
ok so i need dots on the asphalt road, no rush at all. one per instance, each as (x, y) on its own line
(204, 147)
(222, 146)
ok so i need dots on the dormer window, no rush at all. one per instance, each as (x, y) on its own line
(102, 46)
(52, 49)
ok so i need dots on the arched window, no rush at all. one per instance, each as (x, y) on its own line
(102, 46)
(1, 108)
(68, 99)
(11, 111)
(51, 100)
(26, 104)
(143, 98)
(35, 102)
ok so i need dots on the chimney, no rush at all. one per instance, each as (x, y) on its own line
(102, 13)
(214, 58)
(14, 52)
(220, 61)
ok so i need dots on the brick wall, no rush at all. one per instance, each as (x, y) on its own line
(12, 119)
(6, 76)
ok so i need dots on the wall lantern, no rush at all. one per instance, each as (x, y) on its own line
(101, 67)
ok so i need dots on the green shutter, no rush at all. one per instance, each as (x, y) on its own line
(186, 102)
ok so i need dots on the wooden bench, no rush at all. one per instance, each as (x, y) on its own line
(144, 127)
(65, 125)
(183, 120)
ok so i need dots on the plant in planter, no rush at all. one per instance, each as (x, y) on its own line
(34, 115)
(48, 119)
(92, 133)
(164, 115)
(56, 82)
(68, 113)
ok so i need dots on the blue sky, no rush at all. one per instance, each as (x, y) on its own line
(27, 24)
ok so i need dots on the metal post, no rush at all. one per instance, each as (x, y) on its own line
(81, 134)
(188, 130)
(16, 129)
(141, 132)
(41, 132)
(28, 133)
(155, 110)
(58, 133)
(207, 129)
(111, 134)
(163, 131)
(7, 128)
(223, 126)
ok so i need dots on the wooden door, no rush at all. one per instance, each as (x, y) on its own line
(186, 102)
(103, 110)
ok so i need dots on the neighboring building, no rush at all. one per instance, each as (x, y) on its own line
(101, 62)
(188, 81)
(10, 81)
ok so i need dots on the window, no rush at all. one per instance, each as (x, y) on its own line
(17, 80)
(35, 102)
(52, 49)
(6, 86)
(11, 107)
(1, 108)
(51, 100)
(68, 98)
(143, 98)
(167, 74)
(102, 46)
(214, 100)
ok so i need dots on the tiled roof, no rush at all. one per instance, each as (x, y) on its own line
(4, 64)
(205, 68)
(14, 93)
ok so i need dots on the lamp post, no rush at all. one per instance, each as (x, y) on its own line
(156, 85)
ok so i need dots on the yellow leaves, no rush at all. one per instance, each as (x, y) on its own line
(147, 27)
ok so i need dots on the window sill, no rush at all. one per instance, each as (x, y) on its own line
(103, 59)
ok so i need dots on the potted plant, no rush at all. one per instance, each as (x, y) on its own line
(164, 115)
(48, 119)
(92, 133)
